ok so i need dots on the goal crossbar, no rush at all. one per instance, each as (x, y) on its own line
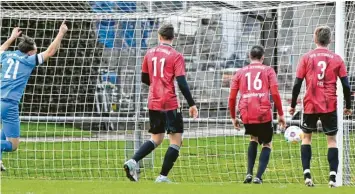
(140, 119)
(44, 14)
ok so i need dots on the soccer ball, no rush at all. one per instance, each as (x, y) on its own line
(293, 134)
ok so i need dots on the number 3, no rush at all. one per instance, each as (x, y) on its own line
(323, 66)
(11, 62)
(258, 84)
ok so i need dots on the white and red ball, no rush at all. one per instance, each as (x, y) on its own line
(293, 134)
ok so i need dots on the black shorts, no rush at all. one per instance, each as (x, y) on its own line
(166, 121)
(264, 131)
(329, 123)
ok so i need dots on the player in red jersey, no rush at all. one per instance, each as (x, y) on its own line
(321, 69)
(255, 82)
(163, 65)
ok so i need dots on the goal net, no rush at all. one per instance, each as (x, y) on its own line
(84, 112)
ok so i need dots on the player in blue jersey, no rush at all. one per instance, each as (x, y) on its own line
(16, 69)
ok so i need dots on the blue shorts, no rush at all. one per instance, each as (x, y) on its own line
(10, 119)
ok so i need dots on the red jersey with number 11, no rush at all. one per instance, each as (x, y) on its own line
(254, 82)
(321, 68)
(163, 64)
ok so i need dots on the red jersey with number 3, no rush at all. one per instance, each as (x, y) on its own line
(163, 63)
(321, 68)
(254, 82)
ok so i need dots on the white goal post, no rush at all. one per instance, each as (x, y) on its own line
(85, 111)
(340, 50)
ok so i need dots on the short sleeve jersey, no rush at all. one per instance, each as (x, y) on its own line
(163, 64)
(253, 83)
(321, 68)
(16, 69)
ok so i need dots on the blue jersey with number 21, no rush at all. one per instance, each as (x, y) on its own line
(15, 72)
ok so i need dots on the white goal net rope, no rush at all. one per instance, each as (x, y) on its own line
(84, 112)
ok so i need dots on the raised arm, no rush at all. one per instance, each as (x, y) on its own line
(16, 32)
(52, 49)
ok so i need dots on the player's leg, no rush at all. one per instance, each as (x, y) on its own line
(330, 128)
(252, 151)
(158, 131)
(265, 134)
(333, 159)
(11, 143)
(2, 137)
(175, 129)
(171, 155)
(308, 126)
(149, 146)
(10, 133)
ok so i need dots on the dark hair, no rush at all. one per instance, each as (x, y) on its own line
(257, 52)
(166, 31)
(26, 44)
(323, 35)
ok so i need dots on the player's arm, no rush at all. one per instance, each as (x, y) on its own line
(296, 91)
(274, 90)
(300, 74)
(53, 47)
(276, 97)
(346, 87)
(145, 72)
(185, 90)
(232, 102)
(346, 91)
(179, 72)
(234, 88)
(16, 32)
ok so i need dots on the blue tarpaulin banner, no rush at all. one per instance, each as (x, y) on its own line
(108, 29)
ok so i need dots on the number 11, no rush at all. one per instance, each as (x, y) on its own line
(162, 63)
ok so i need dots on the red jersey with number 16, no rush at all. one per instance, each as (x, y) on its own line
(163, 64)
(254, 82)
(321, 68)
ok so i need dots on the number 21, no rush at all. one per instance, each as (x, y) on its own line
(162, 63)
(11, 62)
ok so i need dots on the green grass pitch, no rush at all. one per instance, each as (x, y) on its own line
(112, 187)
(205, 165)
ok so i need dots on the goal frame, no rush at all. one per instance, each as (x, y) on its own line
(340, 50)
(268, 38)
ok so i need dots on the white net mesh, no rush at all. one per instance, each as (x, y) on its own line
(349, 133)
(84, 112)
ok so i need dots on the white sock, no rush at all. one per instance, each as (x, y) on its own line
(333, 173)
(307, 171)
(162, 176)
